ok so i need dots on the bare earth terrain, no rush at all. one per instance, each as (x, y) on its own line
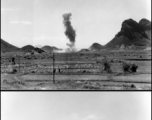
(76, 71)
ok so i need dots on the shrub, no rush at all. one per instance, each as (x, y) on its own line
(112, 61)
(14, 71)
(127, 67)
(133, 86)
(107, 66)
(134, 68)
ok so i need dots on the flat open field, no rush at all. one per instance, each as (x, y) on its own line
(76, 71)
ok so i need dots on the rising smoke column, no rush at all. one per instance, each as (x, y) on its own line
(69, 32)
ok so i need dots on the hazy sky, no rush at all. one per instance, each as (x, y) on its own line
(76, 105)
(40, 22)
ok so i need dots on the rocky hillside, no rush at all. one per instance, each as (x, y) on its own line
(132, 33)
(7, 47)
(146, 25)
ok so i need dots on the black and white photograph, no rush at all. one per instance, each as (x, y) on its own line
(76, 106)
(75, 45)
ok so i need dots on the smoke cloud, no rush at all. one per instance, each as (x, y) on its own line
(69, 32)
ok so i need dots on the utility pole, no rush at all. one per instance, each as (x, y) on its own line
(53, 69)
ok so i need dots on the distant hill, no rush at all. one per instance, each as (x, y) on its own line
(32, 49)
(132, 33)
(38, 50)
(27, 48)
(35, 51)
(7, 47)
(84, 50)
(48, 48)
(95, 47)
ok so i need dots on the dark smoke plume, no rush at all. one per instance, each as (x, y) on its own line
(69, 32)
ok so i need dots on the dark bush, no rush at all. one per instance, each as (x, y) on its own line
(134, 68)
(107, 66)
(14, 71)
(126, 67)
(133, 86)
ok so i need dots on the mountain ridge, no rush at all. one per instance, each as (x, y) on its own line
(132, 33)
(7, 47)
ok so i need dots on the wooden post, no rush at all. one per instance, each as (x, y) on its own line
(53, 69)
(19, 63)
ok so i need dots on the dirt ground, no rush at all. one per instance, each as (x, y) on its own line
(74, 82)
(90, 80)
